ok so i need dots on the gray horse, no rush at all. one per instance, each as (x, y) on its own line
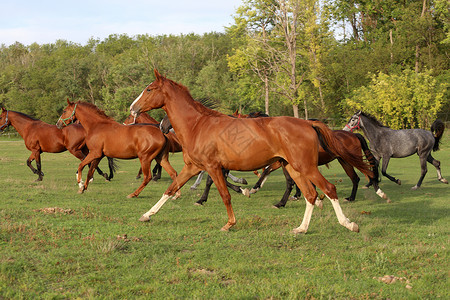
(386, 143)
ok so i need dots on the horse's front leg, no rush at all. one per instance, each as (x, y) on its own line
(86, 161)
(384, 166)
(186, 173)
(220, 182)
(289, 185)
(36, 156)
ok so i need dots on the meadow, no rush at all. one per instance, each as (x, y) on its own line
(57, 244)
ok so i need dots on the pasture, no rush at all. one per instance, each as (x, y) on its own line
(55, 243)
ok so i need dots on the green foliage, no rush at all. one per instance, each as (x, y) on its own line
(409, 100)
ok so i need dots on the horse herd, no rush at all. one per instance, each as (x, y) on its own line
(216, 143)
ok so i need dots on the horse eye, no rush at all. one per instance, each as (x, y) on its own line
(149, 90)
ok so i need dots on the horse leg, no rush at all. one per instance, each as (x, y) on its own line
(262, 179)
(423, 171)
(220, 182)
(145, 166)
(163, 162)
(384, 166)
(39, 166)
(186, 173)
(86, 161)
(205, 194)
(289, 185)
(437, 165)
(92, 167)
(139, 173)
(34, 156)
(197, 182)
(353, 176)
(317, 179)
(112, 168)
(157, 172)
(237, 179)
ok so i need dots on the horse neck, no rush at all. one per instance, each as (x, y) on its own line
(370, 129)
(88, 117)
(20, 122)
(183, 114)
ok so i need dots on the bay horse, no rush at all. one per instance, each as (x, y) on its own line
(174, 144)
(40, 137)
(354, 144)
(106, 137)
(213, 141)
(386, 143)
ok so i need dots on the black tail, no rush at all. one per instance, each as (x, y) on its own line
(437, 129)
(113, 167)
(369, 156)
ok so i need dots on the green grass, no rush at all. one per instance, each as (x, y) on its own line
(181, 253)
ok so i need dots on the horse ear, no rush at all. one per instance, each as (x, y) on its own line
(3, 109)
(157, 75)
(358, 112)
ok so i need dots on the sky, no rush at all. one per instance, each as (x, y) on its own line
(46, 21)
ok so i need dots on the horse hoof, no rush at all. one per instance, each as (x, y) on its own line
(198, 204)
(253, 191)
(144, 218)
(245, 192)
(298, 231)
(365, 187)
(80, 191)
(414, 188)
(354, 227)
(399, 182)
(443, 180)
(275, 206)
(131, 196)
(388, 200)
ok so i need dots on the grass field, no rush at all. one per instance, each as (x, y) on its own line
(93, 246)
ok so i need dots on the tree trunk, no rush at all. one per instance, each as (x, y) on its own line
(295, 109)
(424, 8)
(266, 94)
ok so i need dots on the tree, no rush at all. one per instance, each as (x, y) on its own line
(409, 100)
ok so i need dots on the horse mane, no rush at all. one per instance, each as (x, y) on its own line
(96, 110)
(372, 118)
(26, 116)
(198, 105)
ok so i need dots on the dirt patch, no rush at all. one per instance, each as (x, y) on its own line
(55, 210)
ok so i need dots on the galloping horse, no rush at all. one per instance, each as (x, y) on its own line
(174, 144)
(106, 137)
(386, 143)
(213, 141)
(354, 144)
(42, 137)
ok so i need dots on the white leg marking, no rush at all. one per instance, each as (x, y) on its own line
(306, 219)
(146, 217)
(197, 182)
(342, 218)
(264, 181)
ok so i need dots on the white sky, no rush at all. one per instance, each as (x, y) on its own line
(45, 21)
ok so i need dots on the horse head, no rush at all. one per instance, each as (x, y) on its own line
(4, 121)
(68, 115)
(151, 97)
(165, 125)
(354, 122)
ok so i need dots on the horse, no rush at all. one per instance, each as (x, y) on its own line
(106, 137)
(354, 144)
(213, 141)
(387, 143)
(166, 127)
(175, 146)
(41, 137)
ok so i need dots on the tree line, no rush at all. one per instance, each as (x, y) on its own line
(305, 58)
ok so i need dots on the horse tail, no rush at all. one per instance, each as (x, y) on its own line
(113, 167)
(370, 158)
(333, 146)
(437, 129)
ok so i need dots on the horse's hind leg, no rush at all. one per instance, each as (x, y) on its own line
(307, 187)
(384, 166)
(157, 172)
(205, 194)
(437, 165)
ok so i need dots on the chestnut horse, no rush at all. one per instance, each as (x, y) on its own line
(175, 145)
(106, 137)
(354, 144)
(41, 137)
(213, 141)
